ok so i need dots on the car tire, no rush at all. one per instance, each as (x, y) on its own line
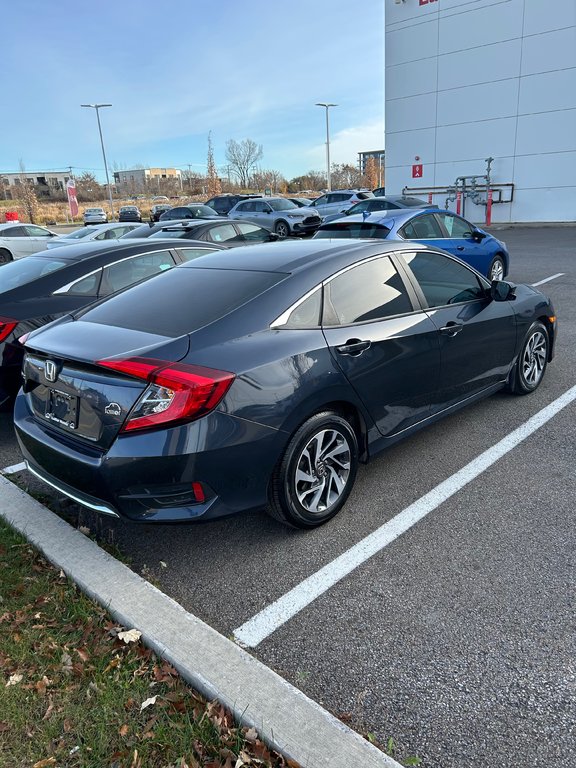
(5, 256)
(530, 367)
(306, 496)
(496, 269)
(282, 229)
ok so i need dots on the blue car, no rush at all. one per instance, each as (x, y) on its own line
(433, 227)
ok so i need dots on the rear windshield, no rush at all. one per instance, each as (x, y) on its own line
(181, 300)
(352, 229)
(17, 273)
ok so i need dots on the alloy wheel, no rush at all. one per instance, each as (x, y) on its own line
(322, 471)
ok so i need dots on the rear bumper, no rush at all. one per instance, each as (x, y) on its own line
(148, 477)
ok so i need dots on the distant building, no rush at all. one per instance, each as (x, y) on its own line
(45, 182)
(144, 179)
(378, 155)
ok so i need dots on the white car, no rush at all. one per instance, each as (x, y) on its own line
(18, 240)
(95, 216)
(97, 232)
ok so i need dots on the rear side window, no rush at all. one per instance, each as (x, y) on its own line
(130, 271)
(371, 291)
(182, 300)
(422, 228)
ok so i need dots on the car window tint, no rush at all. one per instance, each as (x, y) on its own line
(244, 207)
(193, 253)
(36, 231)
(306, 314)
(352, 229)
(13, 232)
(86, 286)
(364, 195)
(444, 280)
(455, 226)
(320, 201)
(253, 234)
(371, 291)
(132, 270)
(422, 228)
(23, 271)
(164, 306)
(222, 233)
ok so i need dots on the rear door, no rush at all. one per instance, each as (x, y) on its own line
(384, 343)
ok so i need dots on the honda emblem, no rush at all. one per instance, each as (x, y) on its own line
(50, 371)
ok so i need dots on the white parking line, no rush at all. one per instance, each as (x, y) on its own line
(260, 626)
(13, 469)
(547, 279)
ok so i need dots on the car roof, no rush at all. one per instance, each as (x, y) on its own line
(5, 225)
(385, 216)
(290, 256)
(83, 251)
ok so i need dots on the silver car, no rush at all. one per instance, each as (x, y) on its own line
(95, 216)
(95, 233)
(278, 215)
(339, 200)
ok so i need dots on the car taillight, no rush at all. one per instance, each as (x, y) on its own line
(175, 392)
(6, 327)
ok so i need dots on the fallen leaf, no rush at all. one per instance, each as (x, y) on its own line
(148, 702)
(66, 661)
(45, 763)
(14, 680)
(251, 734)
(130, 636)
(48, 712)
(124, 730)
(83, 529)
(84, 655)
(4, 727)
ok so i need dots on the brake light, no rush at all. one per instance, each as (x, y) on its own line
(176, 392)
(6, 327)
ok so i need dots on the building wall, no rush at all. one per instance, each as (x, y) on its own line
(471, 79)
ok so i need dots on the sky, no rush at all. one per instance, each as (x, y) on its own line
(175, 71)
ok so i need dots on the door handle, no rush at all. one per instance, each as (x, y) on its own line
(451, 329)
(354, 347)
(459, 247)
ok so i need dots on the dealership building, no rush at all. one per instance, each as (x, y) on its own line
(481, 106)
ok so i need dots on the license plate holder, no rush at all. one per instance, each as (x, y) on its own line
(62, 409)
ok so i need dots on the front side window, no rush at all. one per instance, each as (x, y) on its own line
(455, 226)
(319, 201)
(422, 228)
(222, 233)
(370, 291)
(252, 233)
(444, 280)
(37, 231)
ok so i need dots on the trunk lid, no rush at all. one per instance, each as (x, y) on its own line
(68, 393)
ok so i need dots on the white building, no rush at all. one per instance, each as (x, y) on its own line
(46, 182)
(471, 79)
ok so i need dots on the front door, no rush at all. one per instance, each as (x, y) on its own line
(386, 348)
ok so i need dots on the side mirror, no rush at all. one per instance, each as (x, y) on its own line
(273, 237)
(502, 291)
(478, 235)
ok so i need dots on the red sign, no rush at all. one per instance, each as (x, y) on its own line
(417, 171)
(425, 2)
(489, 208)
(72, 199)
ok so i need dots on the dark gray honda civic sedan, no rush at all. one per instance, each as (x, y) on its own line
(260, 377)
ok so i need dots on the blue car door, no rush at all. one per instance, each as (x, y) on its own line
(459, 242)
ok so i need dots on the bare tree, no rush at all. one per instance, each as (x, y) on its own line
(88, 188)
(213, 180)
(242, 157)
(27, 194)
(345, 176)
(273, 179)
(313, 180)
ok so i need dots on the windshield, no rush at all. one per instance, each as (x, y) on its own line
(281, 205)
(170, 233)
(17, 273)
(79, 233)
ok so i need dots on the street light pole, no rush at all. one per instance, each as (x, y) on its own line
(327, 107)
(97, 107)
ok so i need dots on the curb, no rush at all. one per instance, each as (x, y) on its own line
(285, 718)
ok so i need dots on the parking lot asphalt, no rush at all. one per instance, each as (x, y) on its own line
(456, 640)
